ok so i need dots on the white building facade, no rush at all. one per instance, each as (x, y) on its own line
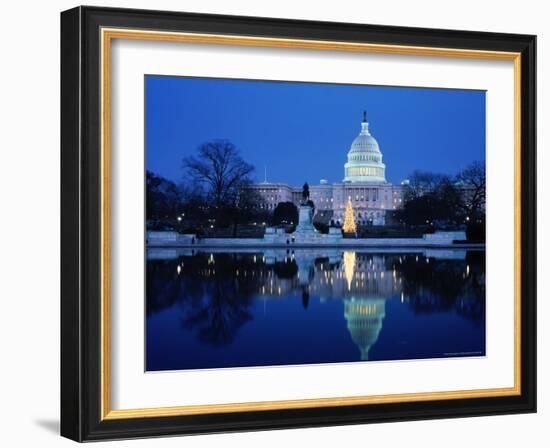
(364, 183)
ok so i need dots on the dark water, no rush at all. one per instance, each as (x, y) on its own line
(257, 308)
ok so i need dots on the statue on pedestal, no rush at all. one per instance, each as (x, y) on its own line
(305, 220)
(305, 193)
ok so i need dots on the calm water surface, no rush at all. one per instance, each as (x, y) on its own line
(277, 307)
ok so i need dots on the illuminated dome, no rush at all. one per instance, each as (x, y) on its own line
(365, 318)
(364, 158)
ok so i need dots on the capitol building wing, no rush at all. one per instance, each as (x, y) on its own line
(364, 183)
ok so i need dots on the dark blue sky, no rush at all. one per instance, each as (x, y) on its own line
(303, 131)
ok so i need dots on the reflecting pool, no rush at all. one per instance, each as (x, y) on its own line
(278, 307)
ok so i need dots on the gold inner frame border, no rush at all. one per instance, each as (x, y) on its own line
(107, 35)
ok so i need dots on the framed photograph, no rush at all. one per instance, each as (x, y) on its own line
(275, 224)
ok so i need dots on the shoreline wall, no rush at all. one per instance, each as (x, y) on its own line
(438, 239)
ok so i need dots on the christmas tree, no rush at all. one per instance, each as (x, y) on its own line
(349, 219)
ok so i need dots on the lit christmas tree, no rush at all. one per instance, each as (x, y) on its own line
(349, 219)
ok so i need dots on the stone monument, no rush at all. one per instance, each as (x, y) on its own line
(305, 232)
(305, 221)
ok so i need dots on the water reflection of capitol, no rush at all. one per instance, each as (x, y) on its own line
(365, 318)
(369, 284)
(224, 284)
(362, 281)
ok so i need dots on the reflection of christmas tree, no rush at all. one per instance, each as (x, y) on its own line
(349, 267)
(349, 219)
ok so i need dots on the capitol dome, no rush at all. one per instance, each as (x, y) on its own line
(364, 158)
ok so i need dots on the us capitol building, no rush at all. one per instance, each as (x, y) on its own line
(364, 184)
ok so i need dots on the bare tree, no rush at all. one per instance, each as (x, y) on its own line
(472, 183)
(422, 182)
(163, 198)
(221, 169)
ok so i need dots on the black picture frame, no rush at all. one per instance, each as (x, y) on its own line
(81, 224)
